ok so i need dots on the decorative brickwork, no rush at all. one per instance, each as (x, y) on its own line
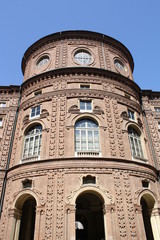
(60, 207)
(49, 206)
(118, 129)
(6, 137)
(111, 132)
(53, 132)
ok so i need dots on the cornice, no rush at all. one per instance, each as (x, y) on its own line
(103, 164)
(12, 89)
(78, 93)
(85, 71)
(78, 34)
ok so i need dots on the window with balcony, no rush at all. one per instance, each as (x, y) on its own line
(135, 142)
(86, 138)
(35, 111)
(32, 142)
(85, 106)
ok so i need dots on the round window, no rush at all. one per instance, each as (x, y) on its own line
(119, 65)
(83, 57)
(42, 61)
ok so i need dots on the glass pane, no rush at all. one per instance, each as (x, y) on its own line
(90, 146)
(37, 110)
(30, 146)
(83, 134)
(32, 112)
(132, 146)
(137, 147)
(90, 136)
(89, 106)
(83, 145)
(82, 105)
(77, 135)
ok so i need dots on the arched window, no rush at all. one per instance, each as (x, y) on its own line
(87, 136)
(135, 142)
(32, 142)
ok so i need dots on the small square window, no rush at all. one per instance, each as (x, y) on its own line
(145, 184)
(2, 104)
(131, 115)
(85, 86)
(35, 111)
(157, 109)
(38, 93)
(85, 106)
(27, 183)
(0, 122)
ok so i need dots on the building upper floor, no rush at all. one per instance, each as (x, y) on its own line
(70, 49)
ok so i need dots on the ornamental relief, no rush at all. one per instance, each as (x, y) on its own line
(38, 195)
(70, 199)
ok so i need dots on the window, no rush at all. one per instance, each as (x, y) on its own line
(85, 106)
(27, 183)
(145, 183)
(159, 125)
(89, 180)
(32, 142)
(119, 65)
(42, 61)
(35, 112)
(0, 122)
(2, 104)
(83, 57)
(86, 136)
(157, 109)
(135, 143)
(38, 93)
(131, 115)
(85, 86)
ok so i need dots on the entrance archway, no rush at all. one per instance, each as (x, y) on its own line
(147, 203)
(27, 220)
(89, 217)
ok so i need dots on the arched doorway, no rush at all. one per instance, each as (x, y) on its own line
(27, 225)
(147, 203)
(89, 217)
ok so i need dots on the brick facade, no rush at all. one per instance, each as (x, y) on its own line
(68, 173)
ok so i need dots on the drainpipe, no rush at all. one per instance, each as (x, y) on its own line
(9, 156)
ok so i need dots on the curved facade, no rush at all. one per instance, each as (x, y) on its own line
(83, 144)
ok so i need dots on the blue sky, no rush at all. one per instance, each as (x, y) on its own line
(134, 23)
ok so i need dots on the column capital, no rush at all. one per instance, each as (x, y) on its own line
(108, 208)
(70, 208)
(14, 212)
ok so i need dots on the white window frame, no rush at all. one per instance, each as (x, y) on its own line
(87, 105)
(131, 115)
(35, 109)
(157, 109)
(1, 121)
(86, 137)
(2, 104)
(135, 143)
(32, 142)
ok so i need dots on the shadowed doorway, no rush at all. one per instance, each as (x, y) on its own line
(28, 220)
(89, 217)
(146, 213)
